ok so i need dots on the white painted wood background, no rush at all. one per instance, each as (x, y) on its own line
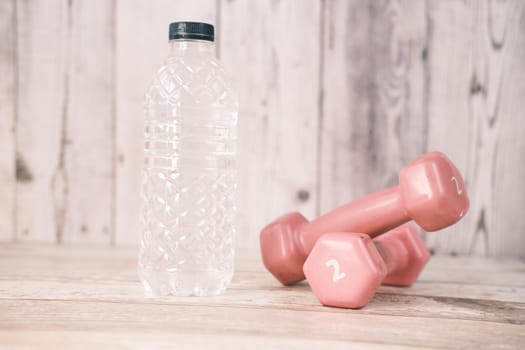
(336, 96)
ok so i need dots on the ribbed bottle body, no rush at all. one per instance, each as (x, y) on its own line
(189, 176)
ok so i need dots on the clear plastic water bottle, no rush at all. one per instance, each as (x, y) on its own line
(189, 174)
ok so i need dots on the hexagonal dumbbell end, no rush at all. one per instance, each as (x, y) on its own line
(433, 191)
(344, 269)
(281, 250)
(405, 254)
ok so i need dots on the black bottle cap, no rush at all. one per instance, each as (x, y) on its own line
(192, 30)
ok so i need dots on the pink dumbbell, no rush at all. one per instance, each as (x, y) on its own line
(345, 270)
(431, 192)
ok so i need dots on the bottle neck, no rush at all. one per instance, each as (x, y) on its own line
(182, 47)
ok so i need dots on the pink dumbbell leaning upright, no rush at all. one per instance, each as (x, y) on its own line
(431, 192)
(345, 269)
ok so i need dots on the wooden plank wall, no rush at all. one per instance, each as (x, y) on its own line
(8, 111)
(276, 60)
(336, 96)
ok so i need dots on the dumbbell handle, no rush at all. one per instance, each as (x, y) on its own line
(373, 214)
(395, 258)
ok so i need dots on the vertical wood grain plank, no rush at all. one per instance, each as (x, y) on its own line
(373, 118)
(42, 187)
(89, 153)
(450, 64)
(271, 49)
(505, 40)
(474, 106)
(142, 45)
(8, 96)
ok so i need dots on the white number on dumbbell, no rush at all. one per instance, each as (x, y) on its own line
(337, 273)
(459, 191)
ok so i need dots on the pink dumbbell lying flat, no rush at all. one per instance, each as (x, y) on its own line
(431, 191)
(344, 270)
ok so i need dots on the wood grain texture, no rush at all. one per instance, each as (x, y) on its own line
(64, 138)
(8, 112)
(90, 296)
(476, 84)
(99, 339)
(43, 46)
(88, 150)
(373, 118)
(141, 47)
(508, 106)
(272, 49)
(404, 77)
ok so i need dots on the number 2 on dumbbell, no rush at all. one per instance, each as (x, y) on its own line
(337, 273)
(459, 191)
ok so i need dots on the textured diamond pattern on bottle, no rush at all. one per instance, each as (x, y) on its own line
(189, 178)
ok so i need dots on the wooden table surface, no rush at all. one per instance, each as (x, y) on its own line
(73, 297)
